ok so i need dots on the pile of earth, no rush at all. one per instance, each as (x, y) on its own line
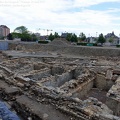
(60, 42)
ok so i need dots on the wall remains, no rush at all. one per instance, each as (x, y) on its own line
(84, 89)
(113, 101)
(70, 50)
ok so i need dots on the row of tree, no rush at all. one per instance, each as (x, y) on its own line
(72, 37)
(53, 36)
(25, 35)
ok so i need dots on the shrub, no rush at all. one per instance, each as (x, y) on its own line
(117, 45)
(87, 44)
(83, 44)
(94, 44)
(43, 42)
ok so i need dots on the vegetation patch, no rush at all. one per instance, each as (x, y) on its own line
(87, 44)
(117, 45)
(43, 42)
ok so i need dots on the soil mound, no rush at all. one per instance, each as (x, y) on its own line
(60, 42)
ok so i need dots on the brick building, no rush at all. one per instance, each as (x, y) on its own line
(4, 30)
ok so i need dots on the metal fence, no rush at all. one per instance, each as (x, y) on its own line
(3, 45)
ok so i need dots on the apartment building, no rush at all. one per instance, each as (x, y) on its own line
(4, 30)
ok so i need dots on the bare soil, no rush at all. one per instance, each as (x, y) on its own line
(96, 93)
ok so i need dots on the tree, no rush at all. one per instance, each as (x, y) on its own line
(101, 39)
(74, 38)
(16, 35)
(21, 29)
(26, 37)
(23, 33)
(56, 35)
(111, 40)
(34, 37)
(82, 36)
(9, 36)
(69, 36)
(51, 37)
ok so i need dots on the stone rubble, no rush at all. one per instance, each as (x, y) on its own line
(54, 88)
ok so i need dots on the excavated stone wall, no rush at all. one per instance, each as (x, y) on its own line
(113, 98)
(70, 50)
(51, 88)
(84, 89)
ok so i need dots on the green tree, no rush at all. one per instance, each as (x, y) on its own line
(34, 37)
(23, 33)
(16, 35)
(111, 40)
(51, 37)
(23, 36)
(101, 39)
(21, 29)
(56, 35)
(68, 37)
(74, 38)
(26, 37)
(82, 36)
(9, 36)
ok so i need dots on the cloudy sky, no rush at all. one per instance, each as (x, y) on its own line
(91, 17)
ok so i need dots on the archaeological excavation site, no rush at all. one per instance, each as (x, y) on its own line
(59, 81)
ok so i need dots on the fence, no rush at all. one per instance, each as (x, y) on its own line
(3, 45)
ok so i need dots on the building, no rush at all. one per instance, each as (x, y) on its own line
(37, 35)
(91, 39)
(4, 30)
(112, 39)
(43, 37)
(64, 35)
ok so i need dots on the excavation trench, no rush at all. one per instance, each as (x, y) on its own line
(54, 89)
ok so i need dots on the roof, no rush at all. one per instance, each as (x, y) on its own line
(111, 35)
(4, 26)
(64, 35)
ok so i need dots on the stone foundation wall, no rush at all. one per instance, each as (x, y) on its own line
(70, 50)
(65, 77)
(100, 82)
(39, 75)
(84, 89)
(113, 105)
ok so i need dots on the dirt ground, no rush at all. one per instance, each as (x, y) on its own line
(96, 93)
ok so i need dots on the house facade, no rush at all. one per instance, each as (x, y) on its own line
(64, 35)
(4, 30)
(112, 39)
(91, 39)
